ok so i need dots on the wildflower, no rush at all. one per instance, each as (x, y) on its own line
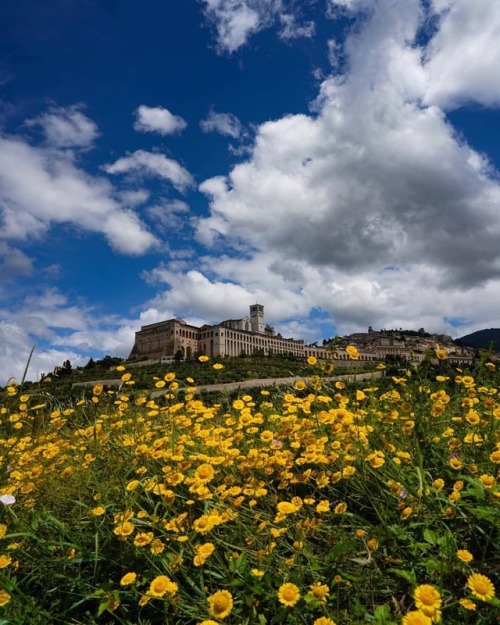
(324, 620)
(441, 353)
(481, 586)
(340, 508)
(221, 603)
(488, 481)
(162, 586)
(352, 352)
(288, 594)
(4, 597)
(98, 511)
(218, 366)
(299, 385)
(5, 561)
(312, 360)
(428, 600)
(7, 500)
(416, 618)
(257, 572)
(405, 513)
(203, 358)
(202, 553)
(128, 578)
(467, 604)
(208, 622)
(495, 456)
(323, 506)
(372, 545)
(464, 555)
(319, 591)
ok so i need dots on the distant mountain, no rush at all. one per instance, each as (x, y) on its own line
(483, 338)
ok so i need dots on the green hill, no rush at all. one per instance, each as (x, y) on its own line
(483, 339)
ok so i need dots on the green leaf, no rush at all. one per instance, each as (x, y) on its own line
(409, 576)
(431, 537)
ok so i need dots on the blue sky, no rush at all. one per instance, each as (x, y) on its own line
(334, 160)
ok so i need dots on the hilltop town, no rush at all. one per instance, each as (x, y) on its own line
(175, 339)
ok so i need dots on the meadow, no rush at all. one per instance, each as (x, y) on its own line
(319, 504)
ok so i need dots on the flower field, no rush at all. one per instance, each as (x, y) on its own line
(320, 504)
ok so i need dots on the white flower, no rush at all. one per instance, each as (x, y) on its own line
(7, 500)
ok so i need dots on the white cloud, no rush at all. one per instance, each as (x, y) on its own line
(223, 123)
(66, 127)
(152, 164)
(236, 21)
(170, 215)
(59, 330)
(158, 119)
(13, 263)
(60, 192)
(463, 58)
(292, 29)
(372, 207)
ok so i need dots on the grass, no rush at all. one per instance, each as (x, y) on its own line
(311, 504)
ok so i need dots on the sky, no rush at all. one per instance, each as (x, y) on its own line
(334, 160)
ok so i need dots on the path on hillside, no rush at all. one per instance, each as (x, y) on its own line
(263, 382)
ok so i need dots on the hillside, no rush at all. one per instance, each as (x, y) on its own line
(483, 339)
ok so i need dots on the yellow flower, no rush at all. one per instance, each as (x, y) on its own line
(128, 578)
(162, 586)
(323, 506)
(203, 358)
(352, 352)
(207, 622)
(406, 513)
(169, 377)
(464, 555)
(218, 366)
(4, 597)
(441, 353)
(312, 360)
(416, 618)
(99, 511)
(340, 508)
(324, 620)
(319, 591)
(427, 600)
(467, 604)
(438, 484)
(288, 594)
(5, 561)
(299, 385)
(221, 603)
(204, 473)
(481, 586)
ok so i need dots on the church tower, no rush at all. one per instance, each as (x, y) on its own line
(257, 318)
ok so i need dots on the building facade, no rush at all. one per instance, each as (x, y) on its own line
(175, 338)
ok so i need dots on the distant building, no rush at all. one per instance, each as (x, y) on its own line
(249, 335)
(168, 340)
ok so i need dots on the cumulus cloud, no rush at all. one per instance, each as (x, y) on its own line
(463, 58)
(152, 164)
(13, 263)
(66, 127)
(383, 206)
(158, 119)
(60, 192)
(224, 123)
(59, 330)
(235, 21)
(291, 28)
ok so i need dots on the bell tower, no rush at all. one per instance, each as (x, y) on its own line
(257, 318)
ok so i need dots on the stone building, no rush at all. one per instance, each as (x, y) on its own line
(250, 335)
